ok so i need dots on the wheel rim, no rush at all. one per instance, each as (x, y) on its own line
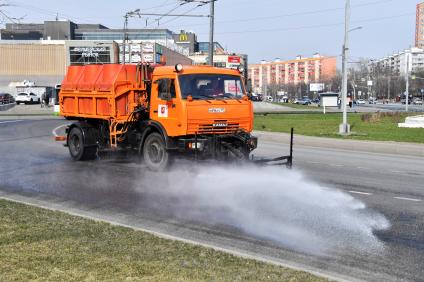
(155, 152)
(75, 144)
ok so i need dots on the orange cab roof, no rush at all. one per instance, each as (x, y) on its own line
(188, 69)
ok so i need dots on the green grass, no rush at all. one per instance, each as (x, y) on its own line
(376, 127)
(42, 245)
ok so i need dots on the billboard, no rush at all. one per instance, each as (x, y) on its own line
(316, 87)
(89, 55)
(234, 59)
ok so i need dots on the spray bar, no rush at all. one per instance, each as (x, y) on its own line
(283, 160)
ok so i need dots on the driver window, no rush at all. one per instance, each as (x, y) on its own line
(166, 86)
(172, 89)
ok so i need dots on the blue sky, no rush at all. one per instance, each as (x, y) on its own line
(264, 29)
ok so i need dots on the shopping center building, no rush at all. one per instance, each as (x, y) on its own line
(41, 53)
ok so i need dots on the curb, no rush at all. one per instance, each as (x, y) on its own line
(27, 115)
(381, 147)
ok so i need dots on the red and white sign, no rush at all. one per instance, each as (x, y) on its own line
(234, 59)
(163, 111)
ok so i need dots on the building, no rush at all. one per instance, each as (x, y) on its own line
(419, 26)
(222, 60)
(42, 52)
(184, 43)
(188, 40)
(45, 61)
(397, 63)
(203, 47)
(306, 70)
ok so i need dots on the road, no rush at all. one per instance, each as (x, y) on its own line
(333, 234)
(394, 107)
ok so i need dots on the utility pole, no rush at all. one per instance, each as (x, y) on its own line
(211, 24)
(344, 128)
(135, 13)
(211, 31)
(124, 41)
(407, 82)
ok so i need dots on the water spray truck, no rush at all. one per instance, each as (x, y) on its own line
(158, 113)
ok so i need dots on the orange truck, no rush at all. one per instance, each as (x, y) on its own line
(157, 112)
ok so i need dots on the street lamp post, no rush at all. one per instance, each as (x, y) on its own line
(211, 23)
(211, 31)
(344, 128)
(407, 82)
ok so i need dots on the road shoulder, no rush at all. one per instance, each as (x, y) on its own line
(383, 147)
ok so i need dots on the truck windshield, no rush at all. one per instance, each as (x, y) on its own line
(211, 86)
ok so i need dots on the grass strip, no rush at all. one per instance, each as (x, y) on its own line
(43, 245)
(373, 127)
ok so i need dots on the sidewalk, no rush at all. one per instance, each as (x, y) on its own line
(20, 111)
(382, 147)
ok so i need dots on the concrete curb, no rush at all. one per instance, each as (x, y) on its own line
(25, 115)
(382, 147)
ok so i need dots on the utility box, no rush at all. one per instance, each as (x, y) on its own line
(329, 99)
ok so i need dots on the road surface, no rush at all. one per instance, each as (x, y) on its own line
(38, 170)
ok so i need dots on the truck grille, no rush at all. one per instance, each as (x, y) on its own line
(215, 127)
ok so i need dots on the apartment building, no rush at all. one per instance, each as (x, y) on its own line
(315, 69)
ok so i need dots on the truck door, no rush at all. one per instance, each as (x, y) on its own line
(165, 107)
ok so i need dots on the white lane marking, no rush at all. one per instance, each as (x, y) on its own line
(408, 199)
(361, 167)
(361, 193)
(57, 128)
(396, 171)
(336, 165)
(310, 162)
(11, 121)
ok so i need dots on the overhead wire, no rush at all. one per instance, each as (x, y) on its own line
(185, 13)
(314, 12)
(157, 20)
(318, 26)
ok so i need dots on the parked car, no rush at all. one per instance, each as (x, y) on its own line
(269, 99)
(27, 98)
(256, 97)
(6, 98)
(417, 101)
(360, 102)
(303, 101)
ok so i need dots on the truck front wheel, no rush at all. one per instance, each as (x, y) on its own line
(76, 146)
(155, 155)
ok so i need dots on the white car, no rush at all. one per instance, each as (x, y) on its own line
(360, 102)
(417, 102)
(27, 98)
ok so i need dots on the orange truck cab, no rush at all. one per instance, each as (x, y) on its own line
(157, 112)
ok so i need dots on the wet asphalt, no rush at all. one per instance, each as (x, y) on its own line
(34, 166)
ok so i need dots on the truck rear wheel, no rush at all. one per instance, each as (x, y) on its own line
(155, 155)
(77, 148)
